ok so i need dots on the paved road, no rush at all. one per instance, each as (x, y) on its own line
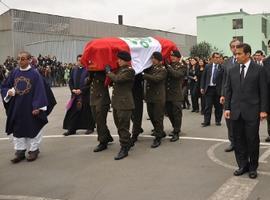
(195, 168)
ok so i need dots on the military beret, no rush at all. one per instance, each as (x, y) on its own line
(157, 55)
(124, 55)
(176, 53)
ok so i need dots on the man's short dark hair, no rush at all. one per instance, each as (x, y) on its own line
(214, 54)
(260, 52)
(246, 48)
(234, 40)
(79, 56)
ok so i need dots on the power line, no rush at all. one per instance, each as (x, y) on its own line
(4, 4)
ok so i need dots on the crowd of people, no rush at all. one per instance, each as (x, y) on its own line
(237, 87)
(55, 72)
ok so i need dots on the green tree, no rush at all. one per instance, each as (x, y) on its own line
(203, 50)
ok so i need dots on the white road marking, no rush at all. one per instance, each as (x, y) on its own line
(264, 156)
(11, 197)
(212, 156)
(235, 188)
(143, 136)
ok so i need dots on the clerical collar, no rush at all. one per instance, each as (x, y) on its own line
(26, 69)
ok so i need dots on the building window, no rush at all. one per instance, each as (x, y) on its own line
(240, 38)
(264, 27)
(264, 47)
(237, 23)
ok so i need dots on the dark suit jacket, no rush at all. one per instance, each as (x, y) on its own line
(227, 65)
(249, 98)
(206, 77)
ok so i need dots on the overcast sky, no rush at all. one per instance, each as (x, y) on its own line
(156, 14)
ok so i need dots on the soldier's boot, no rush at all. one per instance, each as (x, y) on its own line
(156, 142)
(175, 137)
(110, 139)
(133, 139)
(19, 156)
(163, 135)
(101, 147)
(33, 155)
(122, 153)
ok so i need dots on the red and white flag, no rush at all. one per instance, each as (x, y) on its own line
(100, 52)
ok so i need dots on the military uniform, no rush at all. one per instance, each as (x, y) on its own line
(100, 105)
(155, 97)
(122, 101)
(174, 95)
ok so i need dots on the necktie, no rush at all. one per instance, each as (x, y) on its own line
(242, 73)
(234, 60)
(215, 74)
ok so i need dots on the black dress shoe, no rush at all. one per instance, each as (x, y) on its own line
(19, 156)
(229, 148)
(267, 139)
(69, 133)
(192, 110)
(156, 143)
(205, 124)
(175, 137)
(100, 147)
(218, 124)
(88, 132)
(33, 155)
(253, 174)
(240, 171)
(122, 153)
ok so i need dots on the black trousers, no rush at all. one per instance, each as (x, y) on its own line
(194, 92)
(246, 142)
(122, 122)
(202, 97)
(156, 114)
(185, 94)
(100, 113)
(230, 131)
(212, 99)
(137, 113)
(174, 111)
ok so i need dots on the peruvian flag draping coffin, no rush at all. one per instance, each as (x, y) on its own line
(99, 52)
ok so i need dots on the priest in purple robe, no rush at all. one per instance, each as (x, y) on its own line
(26, 104)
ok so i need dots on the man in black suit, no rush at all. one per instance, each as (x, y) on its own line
(246, 102)
(266, 64)
(228, 64)
(211, 83)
